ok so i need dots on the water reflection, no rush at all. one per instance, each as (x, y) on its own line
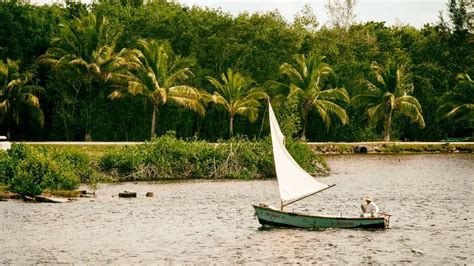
(429, 196)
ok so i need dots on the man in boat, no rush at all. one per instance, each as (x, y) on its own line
(369, 208)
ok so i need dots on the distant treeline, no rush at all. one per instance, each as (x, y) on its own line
(122, 70)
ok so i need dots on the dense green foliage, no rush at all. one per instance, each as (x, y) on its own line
(79, 54)
(169, 158)
(29, 171)
(459, 103)
(17, 98)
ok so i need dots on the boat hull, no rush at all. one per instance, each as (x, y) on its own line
(273, 217)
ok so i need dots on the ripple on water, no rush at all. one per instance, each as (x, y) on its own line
(199, 222)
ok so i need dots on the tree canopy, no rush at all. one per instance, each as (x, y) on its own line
(80, 54)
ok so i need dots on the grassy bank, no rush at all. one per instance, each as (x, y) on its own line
(93, 152)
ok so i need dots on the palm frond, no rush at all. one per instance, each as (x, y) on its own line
(290, 71)
(248, 111)
(412, 111)
(365, 100)
(331, 107)
(323, 114)
(334, 94)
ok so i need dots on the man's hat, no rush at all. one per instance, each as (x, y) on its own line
(368, 198)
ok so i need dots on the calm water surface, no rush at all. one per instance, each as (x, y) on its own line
(429, 196)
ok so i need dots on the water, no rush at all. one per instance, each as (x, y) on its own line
(429, 196)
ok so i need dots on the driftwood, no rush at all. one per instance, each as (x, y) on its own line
(4, 196)
(50, 199)
(128, 194)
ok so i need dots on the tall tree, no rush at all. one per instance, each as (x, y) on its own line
(305, 81)
(17, 96)
(160, 78)
(387, 92)
(306, 19)
(458, 15)
(459, 103)
(341, 13)
(238, 95)
(86, 46)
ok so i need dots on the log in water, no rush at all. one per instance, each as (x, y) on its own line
(429, 196)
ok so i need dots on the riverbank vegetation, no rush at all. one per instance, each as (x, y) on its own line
(170, 158)
(129, 70)
(33, 170)
(28, 171)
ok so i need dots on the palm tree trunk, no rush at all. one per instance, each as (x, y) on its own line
(305, 122)
(387, 126)
(8, 127)
(153, 122)
(231, 126)
(87, 136)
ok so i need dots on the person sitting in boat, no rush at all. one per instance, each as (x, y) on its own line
(369, 208)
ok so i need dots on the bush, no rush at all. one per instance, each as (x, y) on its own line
(4, 167)
(169, 158)
(9, 161)
(30, 171)
(79, 163)
(302, 153)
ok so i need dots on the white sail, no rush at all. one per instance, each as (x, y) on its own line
(294, 182)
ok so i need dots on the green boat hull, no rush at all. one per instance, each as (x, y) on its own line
(273, 217)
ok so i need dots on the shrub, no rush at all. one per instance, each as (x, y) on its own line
(123, 161)
(306, 158)
(169, 158)
(30, 171)
(79, 163)
(9, 161)
(4, 167)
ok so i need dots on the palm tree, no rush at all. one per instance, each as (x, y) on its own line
(304, 81)
(86, 46)
(17, 95)
(388, 92)
(459, 103)
(238, 95)
(159, 78)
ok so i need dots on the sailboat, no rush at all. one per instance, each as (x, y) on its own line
(296, 184)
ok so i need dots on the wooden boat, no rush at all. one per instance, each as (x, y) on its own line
(296, 184)
(274, 217)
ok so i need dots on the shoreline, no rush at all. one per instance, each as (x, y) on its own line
(375, 147)
(322, 148)
(85, 191)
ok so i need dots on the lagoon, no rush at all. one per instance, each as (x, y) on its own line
(429, 195)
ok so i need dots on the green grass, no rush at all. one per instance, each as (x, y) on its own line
(93, 152)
